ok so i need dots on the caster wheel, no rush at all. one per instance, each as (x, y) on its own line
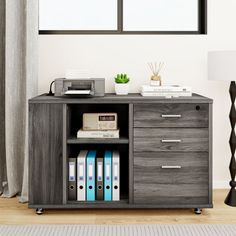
(39, 211)
(198, 211)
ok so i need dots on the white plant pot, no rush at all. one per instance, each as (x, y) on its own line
(122, 89)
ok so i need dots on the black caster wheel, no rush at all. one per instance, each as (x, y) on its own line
(39, 211)
(198, 211)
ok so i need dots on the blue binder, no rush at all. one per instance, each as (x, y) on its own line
(107, 176)
(90, 176)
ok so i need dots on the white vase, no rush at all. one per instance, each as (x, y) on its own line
(155, 83)
(122, 89)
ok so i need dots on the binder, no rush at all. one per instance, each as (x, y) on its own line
(90, 173)
(116, 176)
(99, 184)
(107, 176)
(81, 175)
(72, 179)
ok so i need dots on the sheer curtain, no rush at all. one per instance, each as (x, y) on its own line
(18, 84)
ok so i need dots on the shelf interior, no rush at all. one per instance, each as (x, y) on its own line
(73, 151)
(76, 111)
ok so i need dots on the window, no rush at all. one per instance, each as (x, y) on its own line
(122, 16)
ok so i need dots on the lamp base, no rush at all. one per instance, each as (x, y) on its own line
(231, 198)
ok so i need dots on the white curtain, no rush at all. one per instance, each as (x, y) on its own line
(20, 84)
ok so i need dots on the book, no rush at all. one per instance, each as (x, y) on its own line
(166, 94)
(169, 88)
(98, 133)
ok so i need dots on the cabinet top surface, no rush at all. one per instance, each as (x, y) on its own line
(113, 98)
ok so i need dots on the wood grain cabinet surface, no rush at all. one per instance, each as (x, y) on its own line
(45, 154)
(171, 154)
(173, 178)
(171, 139)
(165, 148)
(171, 115)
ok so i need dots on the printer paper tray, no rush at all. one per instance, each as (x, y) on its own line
(79, 92)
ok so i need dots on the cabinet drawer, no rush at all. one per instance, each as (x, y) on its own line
(171, 178)
(171, 115)
(171, 167)
(172, 139)
(170, 194)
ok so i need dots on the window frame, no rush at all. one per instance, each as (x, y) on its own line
(202, 25)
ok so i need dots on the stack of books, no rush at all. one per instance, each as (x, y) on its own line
(98, 133)
(166, 91)
(94, 176)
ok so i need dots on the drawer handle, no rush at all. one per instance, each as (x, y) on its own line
(171, 116)
(171, 167)
(171, 140)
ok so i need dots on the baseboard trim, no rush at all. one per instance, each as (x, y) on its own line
(221, 185)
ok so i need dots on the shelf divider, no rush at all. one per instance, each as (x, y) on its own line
(121, 140)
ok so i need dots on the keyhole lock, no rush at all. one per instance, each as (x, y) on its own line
(198, 107)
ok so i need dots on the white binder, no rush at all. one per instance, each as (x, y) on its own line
(81, 175)
(116, 176)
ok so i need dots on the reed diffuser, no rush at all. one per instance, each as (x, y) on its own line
(156, 77)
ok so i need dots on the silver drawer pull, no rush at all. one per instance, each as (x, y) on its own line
(171, 116)
(171, 167)
(171, 140)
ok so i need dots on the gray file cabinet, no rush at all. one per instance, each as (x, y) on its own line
(165, 147)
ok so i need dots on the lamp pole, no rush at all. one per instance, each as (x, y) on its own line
(231, 197)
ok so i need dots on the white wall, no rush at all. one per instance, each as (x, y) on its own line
(185, 58)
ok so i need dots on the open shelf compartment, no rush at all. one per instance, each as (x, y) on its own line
(75, 121)
(73, 151)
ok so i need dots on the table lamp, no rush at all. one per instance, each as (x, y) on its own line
(222, 66)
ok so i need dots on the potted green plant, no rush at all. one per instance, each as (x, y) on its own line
(122, 84)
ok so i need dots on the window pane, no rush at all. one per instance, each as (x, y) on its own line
(77, 14)
(160, 15)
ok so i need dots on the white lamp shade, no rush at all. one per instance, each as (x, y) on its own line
(222, 65)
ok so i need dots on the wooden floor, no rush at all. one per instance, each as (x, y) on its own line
(12, 212)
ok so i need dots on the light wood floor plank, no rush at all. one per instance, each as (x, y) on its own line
(12, 212)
